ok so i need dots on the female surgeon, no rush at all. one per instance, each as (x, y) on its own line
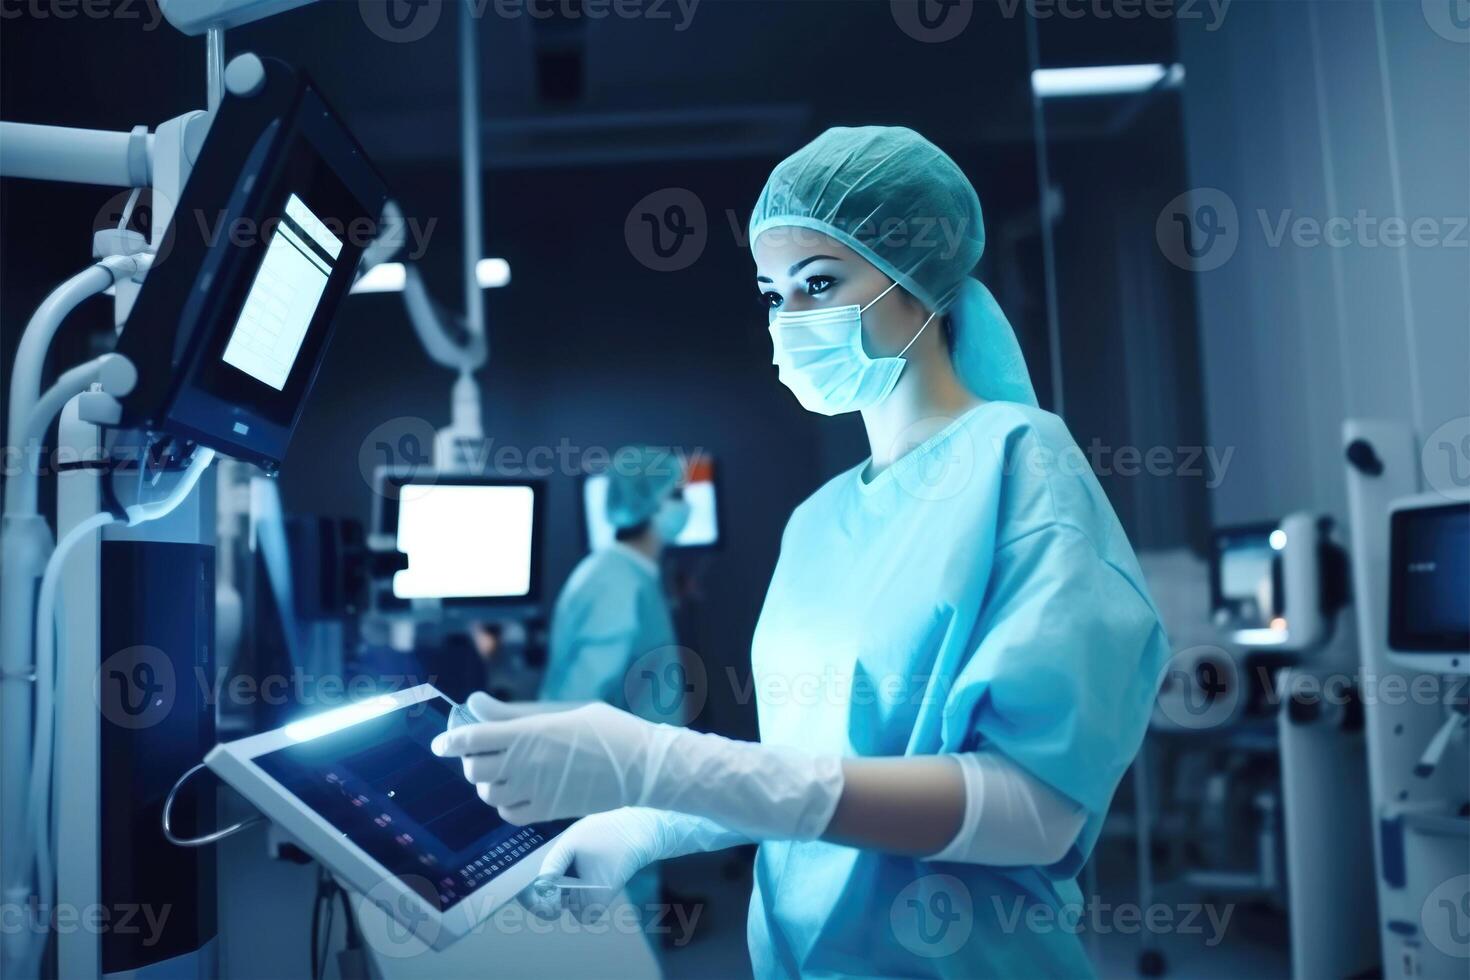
(957, 655)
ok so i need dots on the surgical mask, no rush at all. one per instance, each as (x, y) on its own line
(819, 356)
(671, 518)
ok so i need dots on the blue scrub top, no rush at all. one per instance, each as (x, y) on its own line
(611, 631)
(979, 593)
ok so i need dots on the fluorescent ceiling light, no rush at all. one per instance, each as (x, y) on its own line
(492, 273)
(1104, 80)
(385, 277)
(388, 277)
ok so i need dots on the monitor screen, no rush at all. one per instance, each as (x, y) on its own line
(465, 540)
(1246, 577)
(1429, 559)
(283, 296)
(703, 529)
(379, 784)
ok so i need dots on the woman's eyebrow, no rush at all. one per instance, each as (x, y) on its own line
(799, 266)
(808, 261)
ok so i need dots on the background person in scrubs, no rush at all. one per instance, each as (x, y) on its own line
(612, 622)
(613, 610)
(957, 655)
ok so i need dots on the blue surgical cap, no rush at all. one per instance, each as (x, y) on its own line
(638, 481)
(901, 203)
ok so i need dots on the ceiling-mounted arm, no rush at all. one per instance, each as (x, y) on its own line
(448, 339)
(469, 130)
(214, 66)
(77, 156)
(460, 344)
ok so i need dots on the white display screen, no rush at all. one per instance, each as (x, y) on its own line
(702, 531)
(284, 296)
(465, 541)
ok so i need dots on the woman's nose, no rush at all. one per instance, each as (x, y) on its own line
(799, 302)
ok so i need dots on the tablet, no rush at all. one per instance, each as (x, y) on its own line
(359, 789)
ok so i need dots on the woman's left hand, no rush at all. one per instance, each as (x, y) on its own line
(557, 762)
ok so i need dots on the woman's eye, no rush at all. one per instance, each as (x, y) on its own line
(771, 300)
(818, 284)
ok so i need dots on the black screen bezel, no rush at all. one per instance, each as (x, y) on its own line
(319, 163)
(189, 303)
(389, 489)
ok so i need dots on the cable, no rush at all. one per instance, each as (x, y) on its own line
(316, 928)
(327, 932)
(350, 922)
(153, 510)
(209, 838)
(38, 847)
(321, 935)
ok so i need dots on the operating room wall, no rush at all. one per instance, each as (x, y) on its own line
(1314, 111)
(1126, 319)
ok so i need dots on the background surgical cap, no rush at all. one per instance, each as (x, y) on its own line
(900, 202)
(637, 483)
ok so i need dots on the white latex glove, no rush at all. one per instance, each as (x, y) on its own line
(605, 850)
(569, 763)
(608, 849)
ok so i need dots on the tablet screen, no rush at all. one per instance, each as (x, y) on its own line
(378, 783)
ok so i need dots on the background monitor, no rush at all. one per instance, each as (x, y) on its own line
(469, 540)
(1429, 580)
(701, 493)
(1246, 589)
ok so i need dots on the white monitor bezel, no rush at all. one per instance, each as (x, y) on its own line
(234, 763)
(1432, 662)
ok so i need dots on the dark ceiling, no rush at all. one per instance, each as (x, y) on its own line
(645, 80)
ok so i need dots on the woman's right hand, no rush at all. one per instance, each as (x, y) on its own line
(605, 850)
